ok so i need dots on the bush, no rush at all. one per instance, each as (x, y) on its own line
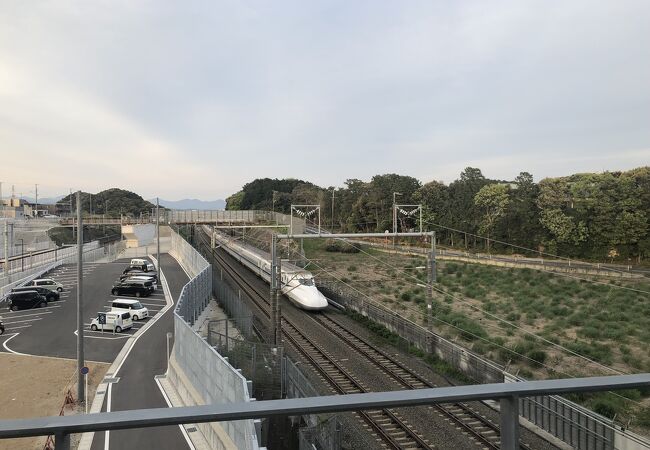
(538, 358)
(336, 246)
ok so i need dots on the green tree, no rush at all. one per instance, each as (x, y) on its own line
(493, 200)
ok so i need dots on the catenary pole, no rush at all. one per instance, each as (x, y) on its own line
(80, 322)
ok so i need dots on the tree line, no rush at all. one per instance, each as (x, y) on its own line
(586, 215)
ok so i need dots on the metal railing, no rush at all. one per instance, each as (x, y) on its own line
(508, 394)
(91, 253)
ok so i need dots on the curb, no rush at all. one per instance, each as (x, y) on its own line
(102, 389)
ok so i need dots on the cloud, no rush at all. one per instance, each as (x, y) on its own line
(207, 96)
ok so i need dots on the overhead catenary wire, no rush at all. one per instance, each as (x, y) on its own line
(494, 316)
(466, 332)
(514, 352)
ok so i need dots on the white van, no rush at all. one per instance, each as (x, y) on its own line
(143, 264)
(132, 306)
(112, 321)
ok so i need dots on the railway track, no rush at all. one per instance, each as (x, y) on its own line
(386, 423)
(473, 423)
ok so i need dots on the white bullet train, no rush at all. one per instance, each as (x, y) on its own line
(297, 284)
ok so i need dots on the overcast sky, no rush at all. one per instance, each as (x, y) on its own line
(194, 98)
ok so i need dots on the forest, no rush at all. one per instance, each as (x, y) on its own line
(596, 216)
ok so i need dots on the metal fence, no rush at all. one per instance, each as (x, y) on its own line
(91, 253)
(259, 362)
(210, 374)
(322, 436)
(577, 426)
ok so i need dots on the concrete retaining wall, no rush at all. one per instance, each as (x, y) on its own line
(139, 235)
(201, 376)
(198, 373)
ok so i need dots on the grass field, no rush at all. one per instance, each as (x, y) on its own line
(539, 324)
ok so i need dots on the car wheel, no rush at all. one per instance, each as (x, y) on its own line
(14, 308)
(118, 329)
(42, 304)
(114, 292)
(93, 327)
(136, 318)
(137, 294)
(59, 289)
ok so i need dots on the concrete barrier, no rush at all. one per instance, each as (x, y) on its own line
(198, 373)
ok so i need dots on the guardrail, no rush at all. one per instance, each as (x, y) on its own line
(508, 394)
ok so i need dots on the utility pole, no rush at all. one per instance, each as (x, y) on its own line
(71, 214)
(158, 238)
(395, 215)
(22, 255)
(276, 286)
(80, 322)
(6, 236)
(431, 277)
(333, 189)
(90, 208)
(36, 190)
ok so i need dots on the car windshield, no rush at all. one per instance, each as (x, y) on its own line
(306, 281)
(137, 305)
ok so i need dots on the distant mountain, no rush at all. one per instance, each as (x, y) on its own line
(44, 200)
(192, 203)
(112, 202)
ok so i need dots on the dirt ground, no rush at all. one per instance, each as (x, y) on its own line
(33, 386)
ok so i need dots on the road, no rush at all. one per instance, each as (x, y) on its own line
(137, 387)
(51, 331)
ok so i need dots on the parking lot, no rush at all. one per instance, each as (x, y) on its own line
(51, 331)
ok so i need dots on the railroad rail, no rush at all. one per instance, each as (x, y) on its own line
(475, 424)
(386, 423)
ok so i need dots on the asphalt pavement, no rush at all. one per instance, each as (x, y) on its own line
(51, 331)
(137, 387)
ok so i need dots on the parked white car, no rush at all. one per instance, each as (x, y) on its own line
(112, 321)
(134, 307)
(47, 283)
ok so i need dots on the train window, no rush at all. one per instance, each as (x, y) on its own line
(306, 281)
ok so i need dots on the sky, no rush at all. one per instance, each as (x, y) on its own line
(192, 99)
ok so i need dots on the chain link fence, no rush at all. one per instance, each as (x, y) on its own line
(323, 436)
(259, 362)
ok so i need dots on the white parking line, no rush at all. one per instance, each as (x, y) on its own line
(28, 315)
(21, 321)
(16, 313)
(15, 328)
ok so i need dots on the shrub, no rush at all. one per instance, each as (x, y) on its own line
(538, 358)
(352, 268)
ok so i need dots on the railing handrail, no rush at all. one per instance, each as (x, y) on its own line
(64, 425)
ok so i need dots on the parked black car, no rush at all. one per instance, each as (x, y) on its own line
(133, 287)
(25, 300)
(136, 273)
(47, 293)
